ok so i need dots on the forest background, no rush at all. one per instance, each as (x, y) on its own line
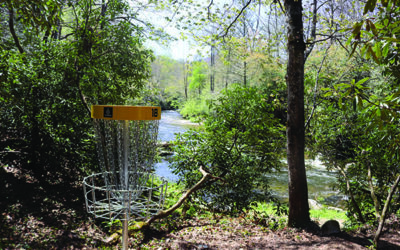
(60, 57)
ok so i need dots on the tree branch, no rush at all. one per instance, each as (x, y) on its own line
(164, 213)
(313, 31)
(12, 30)
(315, 88)
(385, 208)
(353, 200)
(280, 5)
(373, 196)
(208, 9)
(236, 18)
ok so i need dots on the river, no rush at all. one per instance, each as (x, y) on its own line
(320, 180)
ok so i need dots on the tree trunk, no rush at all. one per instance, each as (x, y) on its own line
(299, 215)
(244, 73)
(385, 209)
(185, 78)
(228, 68)
(353, 200)
(212, 73)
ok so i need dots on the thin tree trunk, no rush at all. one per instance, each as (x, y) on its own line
(245, 73)
(228, 69)
(185, 78)
(212, 73)
(353, 200)
(373, 196)
(384, 211)
(313, 31)
(299, 215)
(12, 30)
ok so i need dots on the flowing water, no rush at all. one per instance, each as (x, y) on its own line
(320, 180)
(171, 123)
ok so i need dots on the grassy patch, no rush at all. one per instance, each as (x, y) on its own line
(328, 214)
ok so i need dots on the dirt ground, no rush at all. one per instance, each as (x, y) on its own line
(237, 234)
(34, 216)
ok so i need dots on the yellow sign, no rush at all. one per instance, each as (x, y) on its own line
(119, 112)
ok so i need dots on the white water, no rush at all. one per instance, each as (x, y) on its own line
(320, 180)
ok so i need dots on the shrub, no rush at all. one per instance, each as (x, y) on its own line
(240, 141)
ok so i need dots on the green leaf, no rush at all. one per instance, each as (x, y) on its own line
(372, 27)
(372, 53)
(357, 28)
(391, 39)
(360, 82)
(353, 49)
(369, 6)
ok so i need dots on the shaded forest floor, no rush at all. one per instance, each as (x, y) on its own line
(37, 216)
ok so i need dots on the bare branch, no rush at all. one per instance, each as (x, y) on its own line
(316, 86)
(164, 213)
(280, 5)
(174, 14)
(313, 31)
(385, 209)
(208, 9)
(235, 20)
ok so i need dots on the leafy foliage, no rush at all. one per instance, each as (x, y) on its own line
(68, 56)
(240, 141)
(198, 78)
(363, 154)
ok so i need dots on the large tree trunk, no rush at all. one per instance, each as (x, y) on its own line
(298, 194)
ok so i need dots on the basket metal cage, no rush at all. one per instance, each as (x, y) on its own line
(108, 202)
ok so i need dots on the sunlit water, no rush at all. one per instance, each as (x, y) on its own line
(171, 123)
(320, 180)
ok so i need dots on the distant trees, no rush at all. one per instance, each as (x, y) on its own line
(167, 83)
(197, 81)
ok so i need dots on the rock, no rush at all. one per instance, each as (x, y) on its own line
(165, 144)
(313, 204)
(336, 209)
(166, 153)
(330, 227)
(165, 148)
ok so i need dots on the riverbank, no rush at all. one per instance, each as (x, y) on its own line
(320, 181)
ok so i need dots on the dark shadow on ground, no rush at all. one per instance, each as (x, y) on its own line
(32, 207)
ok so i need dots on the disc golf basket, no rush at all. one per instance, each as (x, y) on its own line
(126, 145)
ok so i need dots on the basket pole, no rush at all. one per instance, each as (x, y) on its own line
(125, 134)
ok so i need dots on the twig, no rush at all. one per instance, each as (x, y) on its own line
(313, 31)
(208, 9)
(236, 18)
(280, 5)
(315, 88)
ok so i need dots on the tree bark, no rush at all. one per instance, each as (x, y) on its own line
(385, 209)
(299, 215)
(12, 30)
(353, 200)
(212, 73)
